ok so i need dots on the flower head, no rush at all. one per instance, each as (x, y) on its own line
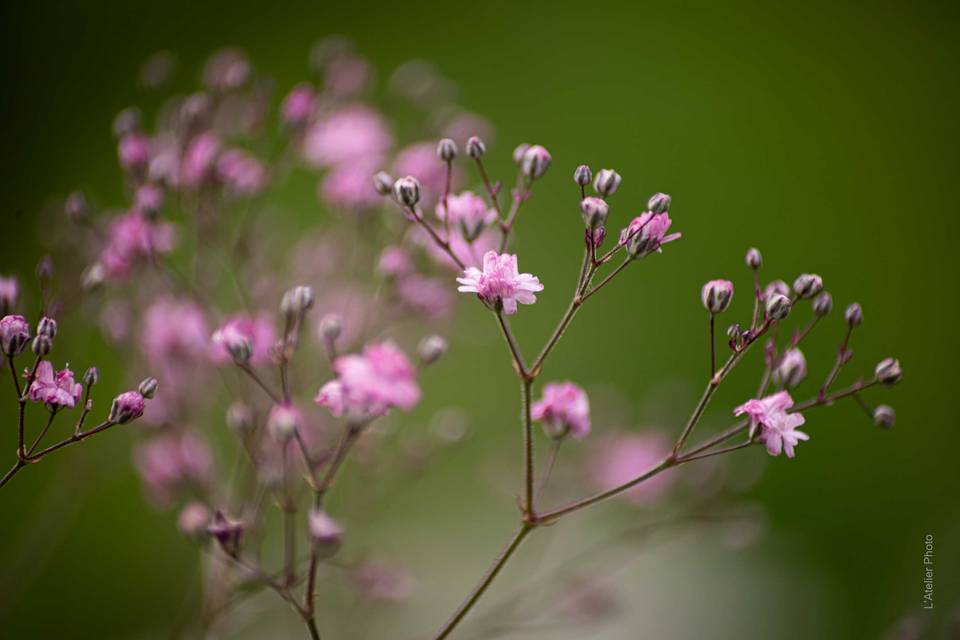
(792, 368)
(350, 134)
(14, 334)
(563, 409)
(55, 389)
(256, 331)
(132, 237)
(126, 407)
(371, 383)
(500, 282)
(716, 295)
(779, 427)
(298, 105)
(647, 233)
(621, 458)
(469, 211)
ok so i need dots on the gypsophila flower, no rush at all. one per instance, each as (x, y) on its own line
(230, 339)
(283, 422)
(55, 389)
(647, 233)
(371, 383)
(469, 211)
(563, 409)
(324, 530)
(535, 162)
(791, 370)
(607, 182)
(779, 428)
(126, 407)
(14, 335)
(500, 282)
(594, 212)
(716, 295)
(298, 105)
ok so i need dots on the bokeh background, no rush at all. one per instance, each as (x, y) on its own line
(824, 133)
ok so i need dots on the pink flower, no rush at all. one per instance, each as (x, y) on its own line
(55, 389)
(198, 159)
(468, 211)
(126, 407)
(132, 237)
(134, 151)
(371, 383)
(563, 409)
(470, 253)
(394, 262)
(428, 296)
(500, 283)
(173, 330)
(226, 69)
(241, 174)
(298, 106)
(779, 427)
(647, 233)
(14, 335)
(149, 198)
(792, 368)
(347, 75)
(9, 291)
(349, 186)
(381, 580)
(257, 330)
(349, 134)
(171, 461)
(621, 458)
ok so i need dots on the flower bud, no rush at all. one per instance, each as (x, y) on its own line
(91, 376)
(519, 152)
(240, 418)
(330, 326)
(407, 191)
(853, 315)
(776, 287)
(888, 371)
(383, 183)
(823, 304)
(47, 327)
(76, 207)
(475, 147)
(45, 269)
(325, 532)
(226, 532)
(193, 520)
(239, 347)
(884, 416)
(283, 422)
(735, 336)
(778, 307)
(14, 335)
(716, 295)
(808, 285)
(126, 407)
(583, 175)
(447, 150)
(754, 260)
(297, 301)
(792, 369)
(594, 212)
(41, 345)
(148, 388)
(607, 182)
(659, 203)
(535, 162)
(431, 349)
(9, 292)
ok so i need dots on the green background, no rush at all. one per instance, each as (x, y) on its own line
(826, 134)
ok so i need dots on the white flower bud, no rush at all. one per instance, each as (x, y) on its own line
(431, 349)
(594, 212)
(475, 147)
(888, 371)
(607, 182)
(754, 259)
(716, 295)
(853, 315)
(148, 388)
(535, 162)
(407, 191)
(823, 304)
(297, 301)
(447, 150)
(330, 326)
(583, 175)
(519, 152)
(777, 306)
(383, 183)
(884, 416)
(659, 203)
(808, 285)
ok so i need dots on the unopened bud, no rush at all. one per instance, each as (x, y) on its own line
(659, 203)
(594, 212)
(823, 304)
(607, 182)
(283, 422)
(754, 260)
(76, 207)
(226, 532)
(808, 285)
(792, 369)
(45, 269)
(383, 183)
(583, 175)
(519, 152)
(41, 345)
(330, 326)
(239, 418)
(776, 287)
(14, 335)
(407, 190)
(884, 416)
(475, 147)
(716, 295)
(240, 348)
(535, 162)
(47, 327)
(126, 407)
(193, 520)
(325, 532)
(148, 388)
(777, 306)
(853, 315)
(431, 349)
(735, 336)
(447, 150)
(91, 376)
(888, 371)
(296, 301)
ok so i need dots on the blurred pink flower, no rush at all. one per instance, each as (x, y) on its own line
(779, 427)
(226, 69)
(500, 282)
(350, 186)
(371, 383)
(297, 107)
(469, 212)
(347, 75)
(430, 297)
(131, 237)
(9, 292)
(56, 390)
(171, 461)
(420, 161)
(384, 581)
(198, 159)
(394, 262)
(242, 174)
(134, 151)
(354, 133)
(258, 330)
(564, 408)
(623, 457)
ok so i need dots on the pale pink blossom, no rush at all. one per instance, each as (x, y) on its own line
(564, 408)
(384, 581)
(348, 186)
(132, 237)
(468, 211)
(621, 458)
(349, 134)
(148, 198)
(134, 151)
(427, 296)
(172, 461)
(779, 427)
(9, 292)
(297, 107)
(242, 174)
(198, 160)
(647, 233)
(55, 389)
(257, 330)
(371, 383)
(394, 262)
(420, 161)
(500, 282)
(792, 368)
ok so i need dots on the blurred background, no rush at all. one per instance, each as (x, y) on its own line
(825, 134)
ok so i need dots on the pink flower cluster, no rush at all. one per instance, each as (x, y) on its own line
(779, 428)
(371, 383)
(563, 409)
(130, 238)
(173, 461)
(55, 389)
(500, 283)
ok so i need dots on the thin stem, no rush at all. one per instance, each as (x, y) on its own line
(485, 582)
(820, 401)
(713, 345)
(437, 240)
(43, 432)
(557, 333)
(494, 200)
(717, 452)
(347, 440)
(256, 378)
(518, 362)
(446, 198)
(520, 193)
(623, 265)
(757, 296)
(838, 363)
(551, 463)
(528, 462)
(720, 438)
(77, 437)
(289, 514)
(19, 464)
